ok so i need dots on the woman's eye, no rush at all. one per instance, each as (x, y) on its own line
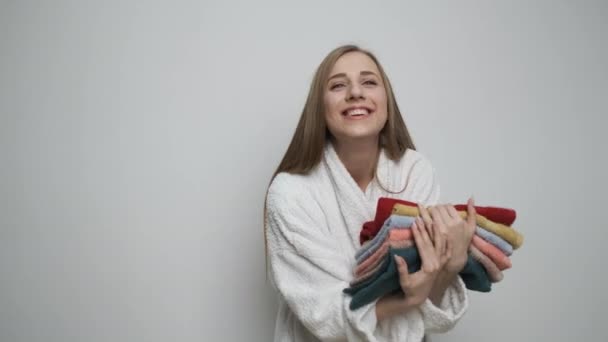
(370, 82)
(336, 86)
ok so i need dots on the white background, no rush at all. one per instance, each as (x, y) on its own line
(137, 141)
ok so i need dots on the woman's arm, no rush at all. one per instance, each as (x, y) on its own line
(448, 300)
(309, 272)
(392, 305)
(442, 282)
(448, 294)
(426, 282)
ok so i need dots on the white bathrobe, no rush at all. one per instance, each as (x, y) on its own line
(313, 224)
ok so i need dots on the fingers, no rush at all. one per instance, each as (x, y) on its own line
(437, 217)
(445, 214)
(471, 215)
(471, 211)
(442, 245)
(420, 230)
(439, 240)
(445, 257)
(424, 214)
(453, 213)
(404, 275)
(450, 220)
(430, 262)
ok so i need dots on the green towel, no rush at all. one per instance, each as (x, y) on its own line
(475, 276)
(363, 284)
(386, 280)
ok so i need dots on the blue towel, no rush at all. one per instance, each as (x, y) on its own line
(495, 240)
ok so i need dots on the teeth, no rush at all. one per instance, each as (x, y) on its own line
(357, 111)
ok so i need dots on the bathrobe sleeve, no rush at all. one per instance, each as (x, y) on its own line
(308, 270)
(425, 189)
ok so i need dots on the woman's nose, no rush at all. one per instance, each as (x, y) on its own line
(354, 92)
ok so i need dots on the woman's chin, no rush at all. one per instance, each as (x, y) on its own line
(359, 135)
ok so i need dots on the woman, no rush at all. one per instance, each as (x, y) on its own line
(351, 147)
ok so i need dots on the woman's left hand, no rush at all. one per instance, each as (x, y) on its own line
(457, 231)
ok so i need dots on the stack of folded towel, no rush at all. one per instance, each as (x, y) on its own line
(389, 234)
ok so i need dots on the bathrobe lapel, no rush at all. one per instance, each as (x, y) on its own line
(356, 206)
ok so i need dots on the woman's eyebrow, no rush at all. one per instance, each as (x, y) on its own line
(363, 73)
(336, 76)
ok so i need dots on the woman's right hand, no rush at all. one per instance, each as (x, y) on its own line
(433, 253)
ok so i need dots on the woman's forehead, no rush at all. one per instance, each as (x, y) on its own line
(354, 63)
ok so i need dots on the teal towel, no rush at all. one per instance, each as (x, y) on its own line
(386, 280)
(389, 268)
(475, 276)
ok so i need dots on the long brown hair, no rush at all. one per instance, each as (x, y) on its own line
(306, 148)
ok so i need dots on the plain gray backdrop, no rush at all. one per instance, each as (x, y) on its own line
(137, 141)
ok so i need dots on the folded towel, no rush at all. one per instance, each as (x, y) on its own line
(494, 239)
(513, 237)
(412, 258)
(394, 221)
(387, 280)
(373, 268)
(475, 276)
(385, 205)
(507, 233)
(482, 231)
(499, 258)
(492, 270)
(372, 260)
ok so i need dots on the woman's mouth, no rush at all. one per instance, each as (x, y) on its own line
(356, 113)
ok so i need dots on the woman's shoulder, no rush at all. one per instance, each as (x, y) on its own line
(292, 188)
(286, 183)
(412, 176)
(414, 160)
(420, 177)
(412, 155)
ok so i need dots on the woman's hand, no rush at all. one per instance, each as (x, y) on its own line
(433, 254)
(458, 232)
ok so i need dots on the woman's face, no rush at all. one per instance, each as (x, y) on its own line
(355, 98)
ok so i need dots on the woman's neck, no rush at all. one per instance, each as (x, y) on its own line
(359, 158)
